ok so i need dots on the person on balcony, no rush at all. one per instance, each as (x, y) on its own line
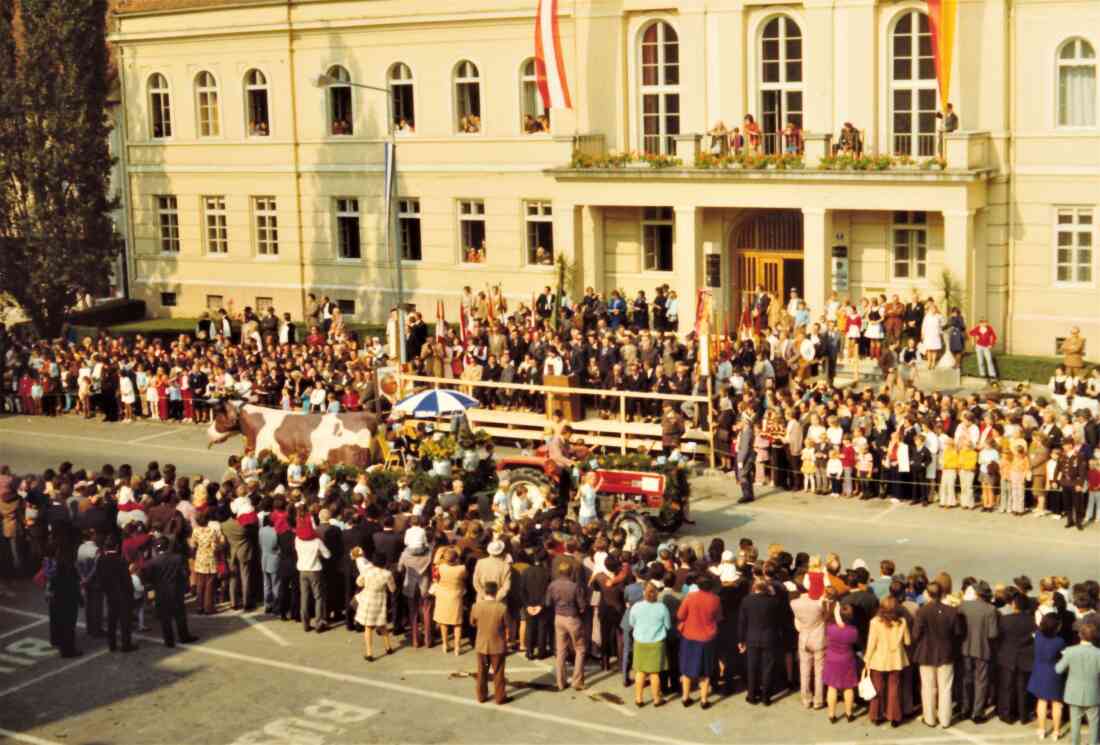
(752, 133)
(792, 138)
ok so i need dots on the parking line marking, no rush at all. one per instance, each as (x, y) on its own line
(101, 441)
(154, 436)
(444, 697)
(251, 620)
(64, 668)
(23, 737)
(17, 629)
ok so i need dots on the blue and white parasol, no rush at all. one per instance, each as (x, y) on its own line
(436, 403)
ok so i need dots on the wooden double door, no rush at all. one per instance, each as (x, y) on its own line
(778, 272)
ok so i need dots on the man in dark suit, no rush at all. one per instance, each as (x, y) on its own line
(746, 458)
(1072, 475)
(935, 633)
(1015, 658)
(167, 574)
(113, 576)
(760, 305)
(977, 651)
(759, 621)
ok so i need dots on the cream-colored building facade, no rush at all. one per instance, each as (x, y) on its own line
(250, 180)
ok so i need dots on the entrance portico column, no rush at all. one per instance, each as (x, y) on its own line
(958, 259)
(591, 255)
(817, 231)
(568, 238)
(687, 263)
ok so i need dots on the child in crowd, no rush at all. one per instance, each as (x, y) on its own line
(1094, 490)
(808, 467)
(821, 464)
(848, 465)
(989, 468)
(968, 465)
(834, 468)
(865, 468)
(139, 596)
(1017, 475)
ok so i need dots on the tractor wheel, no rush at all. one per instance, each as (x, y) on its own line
(531, 478)
(635, 525)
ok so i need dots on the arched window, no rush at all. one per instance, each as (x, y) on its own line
(206, 104)
(660, 88)
(780, 80)
(1076, 84)
(160, 107)
(255, 101)
(533, 117)
(340, 117)
(468, 97)
(913, 86)
(401, 87)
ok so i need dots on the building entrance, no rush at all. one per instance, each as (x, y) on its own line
(768, 253)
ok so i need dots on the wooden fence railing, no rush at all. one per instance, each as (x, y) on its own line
(619, 432)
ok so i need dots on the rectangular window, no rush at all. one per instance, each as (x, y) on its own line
(403, 110)
(347, 307)
(657, 239)
(168, 218)
(214, 302)
(168, 299)
(267, 226)
(263, 303)
(340, 109)
(540, 233)
(910, 245)
(347, 228)
(408, 228)
(1074, 233)
(258, 122)
(471, 230)
(217, 229)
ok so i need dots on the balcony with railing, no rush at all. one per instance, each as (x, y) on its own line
(915, 156)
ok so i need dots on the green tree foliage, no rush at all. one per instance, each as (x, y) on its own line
(57, 239)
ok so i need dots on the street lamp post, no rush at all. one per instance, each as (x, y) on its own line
(327, 81)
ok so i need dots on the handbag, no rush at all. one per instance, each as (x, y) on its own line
(866, 687)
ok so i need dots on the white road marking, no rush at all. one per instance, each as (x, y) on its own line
(100, 441)
(146, 438)
(40, 616)
(444, 697)
(885, 512)
(16, 630)
(64, 668)
(250, 619)
(23, 737)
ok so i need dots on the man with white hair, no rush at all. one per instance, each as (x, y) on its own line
(493, 568)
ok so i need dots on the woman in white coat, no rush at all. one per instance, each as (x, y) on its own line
(931, 334)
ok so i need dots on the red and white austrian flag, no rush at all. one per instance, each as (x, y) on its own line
(549, 66)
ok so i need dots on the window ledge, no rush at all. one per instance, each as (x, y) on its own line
(217, 254)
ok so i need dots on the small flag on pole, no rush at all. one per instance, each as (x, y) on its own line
(549, 65)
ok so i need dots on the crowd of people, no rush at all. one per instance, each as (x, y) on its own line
(462, 572)
(775, 407)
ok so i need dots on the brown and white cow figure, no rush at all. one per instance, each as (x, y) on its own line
(319, 439)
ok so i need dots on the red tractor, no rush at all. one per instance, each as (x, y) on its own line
(631, 500)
